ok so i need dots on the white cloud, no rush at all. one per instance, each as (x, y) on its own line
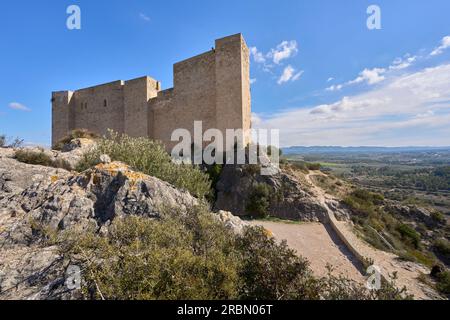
(284, 50)
(402, 63)
(18, 106)
(289, 74)
(257, 55)
(445, 44)
(411, 109)
(330, 79)
(144, 17)
(252, 81)
(369, 76)
(335, 87)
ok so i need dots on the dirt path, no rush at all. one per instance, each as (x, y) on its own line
(407, 272)
(314, 242)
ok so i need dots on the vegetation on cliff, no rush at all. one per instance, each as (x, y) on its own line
(149, 157)
(194, 256)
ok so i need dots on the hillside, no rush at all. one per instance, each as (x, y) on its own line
(126, 230)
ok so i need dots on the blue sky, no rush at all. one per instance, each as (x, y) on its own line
(343, 84)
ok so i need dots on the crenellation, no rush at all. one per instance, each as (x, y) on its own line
(213, 87)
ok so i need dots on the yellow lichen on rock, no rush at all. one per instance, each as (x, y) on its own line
(114, 168)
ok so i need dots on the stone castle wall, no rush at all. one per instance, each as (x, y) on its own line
(213, 87)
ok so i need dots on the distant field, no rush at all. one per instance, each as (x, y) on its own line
(409, 176)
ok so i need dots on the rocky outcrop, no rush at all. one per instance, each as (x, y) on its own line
(33, 198)
(412, 213)
(288, 200)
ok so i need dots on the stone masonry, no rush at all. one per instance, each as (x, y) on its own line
(213, 87)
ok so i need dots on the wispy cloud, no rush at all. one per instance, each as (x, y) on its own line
(252, 80)
(257, 55)
(445, 44)
(289, 74)
(284, 50)
(377, 75)
(18, 106)
(272, 61)
(368, 76)
(407, 109)
(144, 17)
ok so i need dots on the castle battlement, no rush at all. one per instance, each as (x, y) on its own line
(213, 87)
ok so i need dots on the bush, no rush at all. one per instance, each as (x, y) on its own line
(273, 150)
(443, 284)
(272, 271)
(259, 200)
(409, 234)
(148, 157)
(193, 256)
(40, 158)
(174, 258)
(75, 134)
(251, 169)
(442, 247)
(313, 166)
(438, 217)
(15, 143)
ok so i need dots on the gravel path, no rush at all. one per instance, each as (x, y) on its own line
(313, 241)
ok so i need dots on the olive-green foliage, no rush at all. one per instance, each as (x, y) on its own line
(409, 235)
(272, 271)
(442, 247)
(443, 284)
(179, 257)
(149, 157)
(438, 217)
(273, 150)
(259, 200)
(40, 158)
(305, 166)
(214, 171)
(371, 218)
(193, 256)
(251, 169)
(75, 134)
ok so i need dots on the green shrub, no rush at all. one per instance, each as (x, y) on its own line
(438, 217)
(40, 158)
(313, 166)
(251, 169)
(175, 258)
(2, 141)
(193, 256)
(442, 247)
(259, 200)
(272, 271)
(75, 134)
(409, 234)
(443, 284)
(149, 157)
(32, 157)
(273, 150)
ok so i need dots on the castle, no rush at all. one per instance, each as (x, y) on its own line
(213, 87)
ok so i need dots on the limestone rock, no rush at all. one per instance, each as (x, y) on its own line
(58, 200)
(288, 198)
(231, 221)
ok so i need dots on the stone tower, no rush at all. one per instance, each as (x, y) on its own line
(213, 87)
